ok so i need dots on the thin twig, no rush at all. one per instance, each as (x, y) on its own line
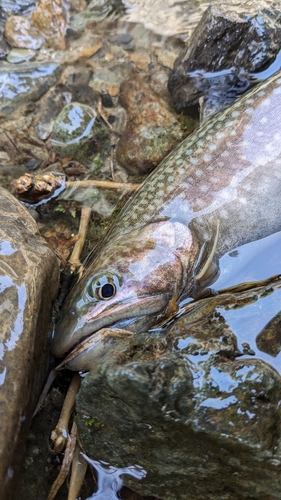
(103, 184)
(74, 261)
(78, 472)
(59, 435)
(67, 460)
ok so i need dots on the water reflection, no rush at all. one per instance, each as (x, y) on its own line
(108, 478)
(169, 17)
(254, 261)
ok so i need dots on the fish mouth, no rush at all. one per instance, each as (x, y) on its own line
(134, 314)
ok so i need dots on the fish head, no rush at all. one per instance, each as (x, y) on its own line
(133, 283)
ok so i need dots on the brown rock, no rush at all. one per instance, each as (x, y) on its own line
(20, 33)
(151, 131)
(28, 286)
(50, 19)
(141, 60)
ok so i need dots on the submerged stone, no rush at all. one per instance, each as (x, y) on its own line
(17, 56)
(25, 84)
(20, 33)
(152, 131)
(78, 133)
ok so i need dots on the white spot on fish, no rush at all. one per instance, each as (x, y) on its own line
(262, 92)
(262, 160)
(194, 161)
(225, 153)
(207, 157)
(235, 113)
(230, 123)
(220, 135)
(204, 188)
(263, 119)
(212, 147)
(249, 111)
(198, 173)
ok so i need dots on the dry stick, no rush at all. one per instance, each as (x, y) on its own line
(59, 435)
(78, 472)
(103, 184)
(67, 460)
(74, 261)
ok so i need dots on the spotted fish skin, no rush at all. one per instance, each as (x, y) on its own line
(219, 189)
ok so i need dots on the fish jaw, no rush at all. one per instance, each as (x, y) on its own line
(141, 310)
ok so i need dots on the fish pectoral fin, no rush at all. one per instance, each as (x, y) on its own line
(207, 266)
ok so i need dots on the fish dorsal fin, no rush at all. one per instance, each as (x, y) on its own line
(206, 265)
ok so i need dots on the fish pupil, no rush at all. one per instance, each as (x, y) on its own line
(107, 291)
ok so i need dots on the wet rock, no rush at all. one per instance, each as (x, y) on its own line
(35, 188)
(18, 7)
(97, 10)
(50, 18)
(166, 58)
(242, 39)
(269, 338)
(4, 47)
(109, 80)
(189, 404)
(25, 84)
(141, 60)
(151, 131)
(17, 56)
(20, 33)
(27, 266)
(49, 106)
(79, 134)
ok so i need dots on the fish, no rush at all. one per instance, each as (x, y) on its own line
(217, 190)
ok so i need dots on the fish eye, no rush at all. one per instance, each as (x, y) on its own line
(103, 287)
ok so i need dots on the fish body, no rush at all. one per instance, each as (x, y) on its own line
(219, 189)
